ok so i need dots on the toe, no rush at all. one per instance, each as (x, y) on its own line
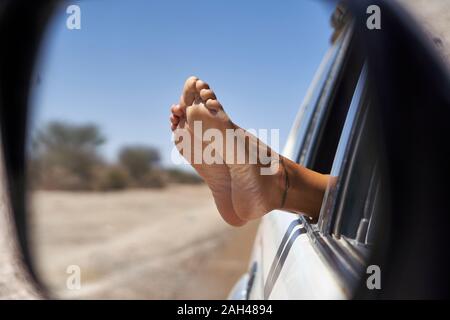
(174, 119)
(189, 92)
(190, 82)
(207, 94)
(213, 105)
(176, 110)
(200, 85)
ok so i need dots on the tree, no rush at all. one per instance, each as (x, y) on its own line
(139, 161)
(66, 154)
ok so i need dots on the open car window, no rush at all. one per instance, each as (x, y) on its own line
(359, 204)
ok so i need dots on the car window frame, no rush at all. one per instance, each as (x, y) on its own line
(331, 211)
(301, 144)
(338, 252)
(346, 262)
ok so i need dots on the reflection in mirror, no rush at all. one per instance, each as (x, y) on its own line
(113, 214)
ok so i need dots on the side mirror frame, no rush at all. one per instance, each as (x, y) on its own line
(410, 85)
(28, 20)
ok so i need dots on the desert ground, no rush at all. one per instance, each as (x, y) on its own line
(138, 244)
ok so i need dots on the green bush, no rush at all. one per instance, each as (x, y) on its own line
(65, 156)
(138, 160)
(183, 177)
(112, 178)
(154, 179)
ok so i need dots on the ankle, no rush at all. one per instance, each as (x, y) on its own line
(279, 187)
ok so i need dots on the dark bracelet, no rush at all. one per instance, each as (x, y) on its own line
(286, 184)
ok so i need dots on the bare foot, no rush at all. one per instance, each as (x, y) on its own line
(217, 176)
(240, 191)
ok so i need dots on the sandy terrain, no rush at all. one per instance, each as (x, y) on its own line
(168, 244)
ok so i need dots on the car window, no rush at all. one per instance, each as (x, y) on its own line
(327, 123)
(336, 186)
(331, 117)
(353, 198)
(359, 202)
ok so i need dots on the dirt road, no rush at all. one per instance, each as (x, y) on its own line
(140, 244)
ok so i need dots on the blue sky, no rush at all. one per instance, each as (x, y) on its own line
(127, 64)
